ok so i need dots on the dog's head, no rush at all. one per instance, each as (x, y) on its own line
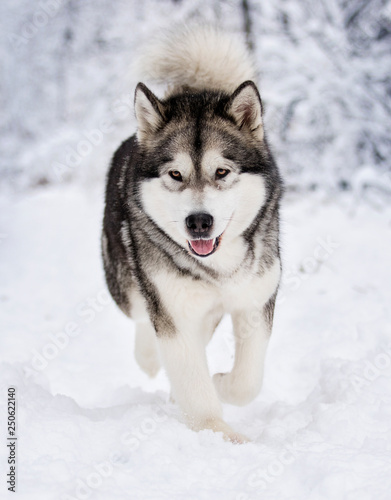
(205, 170)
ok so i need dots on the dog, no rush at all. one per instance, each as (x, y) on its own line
(191, 222)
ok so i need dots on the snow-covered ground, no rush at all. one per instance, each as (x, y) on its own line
(92, 425)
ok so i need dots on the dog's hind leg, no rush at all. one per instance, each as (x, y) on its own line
(145, 349)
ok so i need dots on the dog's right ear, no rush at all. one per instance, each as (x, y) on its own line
(149, 112)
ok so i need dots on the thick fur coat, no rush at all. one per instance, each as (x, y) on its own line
(191, 224)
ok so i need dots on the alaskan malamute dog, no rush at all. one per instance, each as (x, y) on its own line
(191, 224)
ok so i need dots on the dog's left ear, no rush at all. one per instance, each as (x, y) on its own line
(149, 112)
(245, 107)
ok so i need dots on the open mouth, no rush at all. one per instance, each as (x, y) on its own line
(203, 248)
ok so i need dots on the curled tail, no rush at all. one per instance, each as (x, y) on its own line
(199, 57)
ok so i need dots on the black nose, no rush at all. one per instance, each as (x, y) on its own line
(199, 224)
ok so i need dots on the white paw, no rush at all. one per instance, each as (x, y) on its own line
(234, 390)
(148, 361)
(218, 425)
(236, 437)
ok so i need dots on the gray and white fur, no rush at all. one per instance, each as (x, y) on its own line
(191, 224)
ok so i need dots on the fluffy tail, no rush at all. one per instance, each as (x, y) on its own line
(199, 57)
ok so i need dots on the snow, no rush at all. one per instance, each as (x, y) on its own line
(92, 425)
(68, 72)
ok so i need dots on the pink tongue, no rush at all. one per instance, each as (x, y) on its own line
(202, 247)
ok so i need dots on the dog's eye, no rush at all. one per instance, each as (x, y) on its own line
(176, 175)
(221, 172)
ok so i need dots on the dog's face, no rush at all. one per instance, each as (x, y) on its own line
(204, 171)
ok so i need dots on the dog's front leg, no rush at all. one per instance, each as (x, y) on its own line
(184, 358)
(252, 328)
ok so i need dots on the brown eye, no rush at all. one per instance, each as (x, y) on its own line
(177, 176)
(221, 173)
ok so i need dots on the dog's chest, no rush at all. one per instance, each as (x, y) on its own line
(183, 296)
(248, 290)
